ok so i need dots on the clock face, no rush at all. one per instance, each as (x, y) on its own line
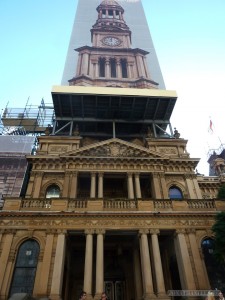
(111, 41)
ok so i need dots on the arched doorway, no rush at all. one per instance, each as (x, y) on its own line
(25, 268)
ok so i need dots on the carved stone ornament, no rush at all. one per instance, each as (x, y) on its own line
(52, 225)
(115, 148)
(168, 150)
(58, 149)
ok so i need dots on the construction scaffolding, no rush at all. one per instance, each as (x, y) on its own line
(30, 120)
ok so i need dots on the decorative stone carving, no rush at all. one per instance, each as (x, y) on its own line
(168, 150)
(58, 149)
(115, 148)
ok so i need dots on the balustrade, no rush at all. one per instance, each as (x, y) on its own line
(119, 203)
(201, 204)
(37, 203)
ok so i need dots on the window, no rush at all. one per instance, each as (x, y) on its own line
(53, 191)
(175, 193)
(124, 68)
(25, 268)
(101, 67)
(113, 67)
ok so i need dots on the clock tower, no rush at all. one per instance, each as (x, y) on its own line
(111, 61)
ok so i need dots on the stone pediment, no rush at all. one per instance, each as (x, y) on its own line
(115, 148)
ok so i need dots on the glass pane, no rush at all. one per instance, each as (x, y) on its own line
(28, 254)
(175, 193)
(25, 268)
(23, 280)
(53, 192)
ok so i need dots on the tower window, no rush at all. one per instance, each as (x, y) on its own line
(103, 13)
(113, 67)
(124, 68)
(175, 193)
(101, 67)
(110, 14)
(53, 191)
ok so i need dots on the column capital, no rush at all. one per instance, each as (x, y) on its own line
(100, 174)
(93, 173)
(51, 231)
(39, 173)
(154, 231)
(180, 230)
(137, 174)
(143, 231)
(190, 230)
(129, 174)
(100, 231)
(10, 231)
(61, 231)
(89, 231)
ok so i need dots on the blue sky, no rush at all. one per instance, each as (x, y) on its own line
(189, 37)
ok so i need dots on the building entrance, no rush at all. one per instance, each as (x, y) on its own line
(115, 290)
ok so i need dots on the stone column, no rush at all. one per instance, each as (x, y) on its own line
(137, 186)
(107, 68)
(73, 187)
(156, 186)
(79, 64)
(141, 71)
(201, 276)
(57, 277)
(161, 292)
(129, 73)
(184, 262)
(88, 262)
(146, 67)
(99, 264)
(196, 187)
(85, 64)
(100, 185)
(163, 186)
(137, 275)
(96, 70)
(188, 178)
(93, 185)
(5, 253)
(37, 184)
(66, 184)
(1, 235)
(118, 68)
(42, 288)
(130, 186)
(146, 266)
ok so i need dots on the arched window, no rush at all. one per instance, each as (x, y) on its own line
(53, 191)
(25, 268)
(113, 67)
(101, 67)
(175, 193)
(215, 270)
(124, 68)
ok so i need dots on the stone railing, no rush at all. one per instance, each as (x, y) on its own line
(77, 204)
(151, 205)
(201, 204)
(36, 204)
(118, 204)
(163, 204)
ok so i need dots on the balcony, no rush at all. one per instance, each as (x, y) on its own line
(112, 205)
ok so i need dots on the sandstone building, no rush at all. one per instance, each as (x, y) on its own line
(112, 201)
